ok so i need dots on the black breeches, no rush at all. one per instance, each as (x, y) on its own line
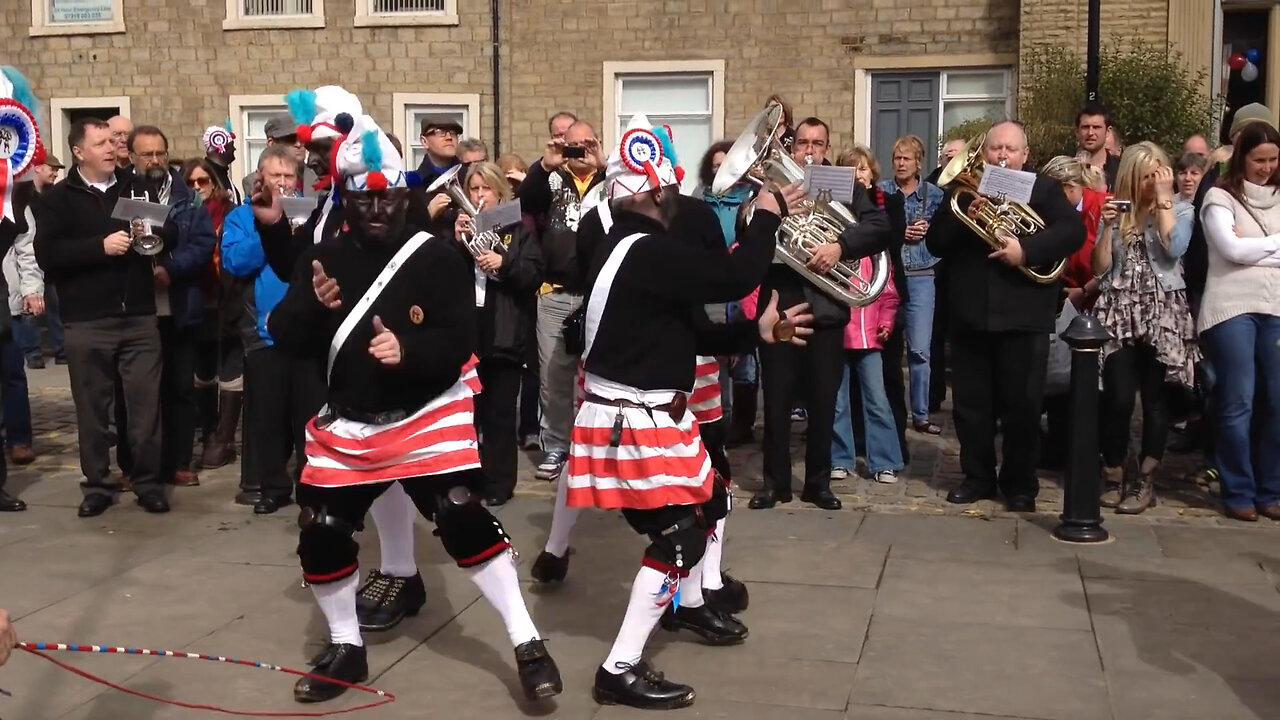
(678, 533)
(469, 532)
(713, 435)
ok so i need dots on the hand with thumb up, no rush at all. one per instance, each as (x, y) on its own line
(385, 345)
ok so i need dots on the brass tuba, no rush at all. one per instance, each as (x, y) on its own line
(758, 152)
(993, 219)
(476, 243)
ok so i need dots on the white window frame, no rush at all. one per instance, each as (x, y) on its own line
(58, 127)
(40, 24)
(237, 105)
(944, 98)
(401, 102)
(366, 18)
(612, 95)
(235, 21)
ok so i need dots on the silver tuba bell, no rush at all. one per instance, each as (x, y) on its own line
(476, 243)
(757, 154)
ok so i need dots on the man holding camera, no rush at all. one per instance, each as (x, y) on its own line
(552, 193)
(108, 296)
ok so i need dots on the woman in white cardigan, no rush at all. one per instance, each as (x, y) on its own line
(1240, 323)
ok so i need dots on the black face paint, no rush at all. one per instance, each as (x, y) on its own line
(318, 152)
(376, 217)
(668, 199)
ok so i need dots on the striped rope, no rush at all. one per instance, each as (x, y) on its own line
(39, 648)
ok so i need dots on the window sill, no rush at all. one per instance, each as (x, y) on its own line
(405, 20)
(110, 28)
(289, 22)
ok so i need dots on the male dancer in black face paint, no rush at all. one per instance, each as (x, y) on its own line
(393, 310)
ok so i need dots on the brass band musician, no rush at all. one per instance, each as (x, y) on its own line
(1001, 320)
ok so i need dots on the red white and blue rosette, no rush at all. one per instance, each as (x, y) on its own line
(19, 148)
(641, 152)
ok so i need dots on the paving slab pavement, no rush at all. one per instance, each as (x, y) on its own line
(890, 612)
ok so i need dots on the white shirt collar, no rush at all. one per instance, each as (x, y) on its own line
(101, 187)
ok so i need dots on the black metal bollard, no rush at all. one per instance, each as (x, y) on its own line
(1081, 514)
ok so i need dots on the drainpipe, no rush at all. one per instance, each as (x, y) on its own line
(495, 19)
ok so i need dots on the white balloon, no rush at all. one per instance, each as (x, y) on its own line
(1249, 72)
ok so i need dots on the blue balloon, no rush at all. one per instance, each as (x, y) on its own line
(1253, 55)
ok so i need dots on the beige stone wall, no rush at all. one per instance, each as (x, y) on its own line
(804, 49)
(179, 66)
(1065, 22)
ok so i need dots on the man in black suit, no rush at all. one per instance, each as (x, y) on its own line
(1000, 327)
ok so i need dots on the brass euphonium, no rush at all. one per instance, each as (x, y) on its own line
(476, 243)
(758, 152)
(996, 219)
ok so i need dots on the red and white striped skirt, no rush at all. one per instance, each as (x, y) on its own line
(704, 403)
(658, 461)
(440, 438)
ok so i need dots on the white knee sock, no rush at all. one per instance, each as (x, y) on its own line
(563, 518)
(711, 579)
(393, 515)
(337, 601)
(648, 602)
(497, 579)
(691, 587)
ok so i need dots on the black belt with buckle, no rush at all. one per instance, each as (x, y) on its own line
(675, 408)
(382, 418)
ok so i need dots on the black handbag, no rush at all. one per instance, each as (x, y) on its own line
(574, 331)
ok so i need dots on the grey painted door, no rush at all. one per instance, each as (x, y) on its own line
(904, 103)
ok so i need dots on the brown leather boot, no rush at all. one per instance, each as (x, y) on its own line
(1112, 487)
(1139, 494)
(222, 450)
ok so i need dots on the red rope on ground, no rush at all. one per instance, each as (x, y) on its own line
(389, 698)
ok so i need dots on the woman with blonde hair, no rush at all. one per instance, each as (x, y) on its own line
(1144, 306)
(506, 277)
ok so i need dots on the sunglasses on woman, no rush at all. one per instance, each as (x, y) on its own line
(198, 182)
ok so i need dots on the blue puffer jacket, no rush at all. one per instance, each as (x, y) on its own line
(187, 258)
(243, 257)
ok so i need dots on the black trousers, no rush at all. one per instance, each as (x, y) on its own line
(782, 367)
(496, 418)
(999, 375)
(281, 394)
(178, 411)
(713, 436)
(938, 345)
(1128, 371)
(98, 351)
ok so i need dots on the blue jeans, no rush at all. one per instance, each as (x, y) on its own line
(1245, 355)
(883, 450)
(921, 293)
(13, 391)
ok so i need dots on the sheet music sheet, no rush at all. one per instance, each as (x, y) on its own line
(299, 207)
(839, 180)
(127, 209)
(507, 213)
(1013, 185)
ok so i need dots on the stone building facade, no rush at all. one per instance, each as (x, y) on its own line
(870, 68)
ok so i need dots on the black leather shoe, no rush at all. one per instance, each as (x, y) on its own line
(497, 499)
(822, 498)
(348, 663)
(731, 599)
(550, 568)
(539, 675)
(767, 498)
(383, 601)
(154, 502)
(248, 497)
(970, 492)
(640, 686)
(9, 503)
(1020, 504)
(94, 505)
(714, 627)
(268, 504)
